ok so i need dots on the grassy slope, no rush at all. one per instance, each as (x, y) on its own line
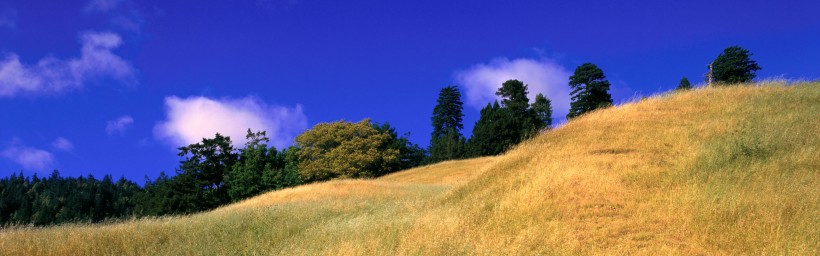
(711, 171)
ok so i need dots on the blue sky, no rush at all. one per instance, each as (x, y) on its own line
(114, 86)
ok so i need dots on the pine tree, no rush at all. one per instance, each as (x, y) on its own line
(450, 146)
(543, 111)
(447, 115)
(514, 96)
(206, 164)
(283, 172)
(244, 178)
(733, 66)
(494, 132)
(520, 120)
(590, 90)
(684, 84)
(447, 124)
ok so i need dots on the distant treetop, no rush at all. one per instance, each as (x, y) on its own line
(684, 84)
(733, 66)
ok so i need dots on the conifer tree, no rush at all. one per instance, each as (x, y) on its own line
(543, 111)
(733, 66)
(494, 132)
(514, 96)
(590, 90)
(521, 120)
(446, 140)
(244, 179)
(206, 164)
(684, 84)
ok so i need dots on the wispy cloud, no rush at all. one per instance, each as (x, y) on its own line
(63, 144)
(102, 5)
(545, 76)
(130, 21)
(119, 125)
(52, 76)
(27, 157)
(122, 14)
(191, 119)
(8, 18)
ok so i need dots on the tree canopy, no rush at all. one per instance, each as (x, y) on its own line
(543, 111)
(447, 114)
(206, 164)
(501, 126)
(513, 95)
(733, 66)
(494, 131)
(259, 169)
(446, 140)
(590, 90)
(410, 155)
(343, 150)
(55, 199)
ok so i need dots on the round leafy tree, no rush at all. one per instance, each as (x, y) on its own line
(734, 66)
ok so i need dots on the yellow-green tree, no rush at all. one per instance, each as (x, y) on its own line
(343, 150)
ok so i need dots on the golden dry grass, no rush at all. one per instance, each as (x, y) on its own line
(710, 171)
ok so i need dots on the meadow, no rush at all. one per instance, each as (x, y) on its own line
(719, 170)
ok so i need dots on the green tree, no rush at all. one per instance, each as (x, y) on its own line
(283, 173)
(514, 96)
(447, 115)
(733, 66)
(501, 126)
(542, 107)
(343, 150)
(590, 90)
(153, 201)
(684, 84)
(451, 145)
(56, 199)
(494, 132)
(410, 155)
(206, 164)
(447, 124)
(261, 169)
(185, 194)
(521, 120)
(245, 178)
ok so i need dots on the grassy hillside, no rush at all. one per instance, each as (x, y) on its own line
(710, 171)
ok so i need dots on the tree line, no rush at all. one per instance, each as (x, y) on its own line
(504, 124)
(501, 126)
(55, 200)
(214, 173)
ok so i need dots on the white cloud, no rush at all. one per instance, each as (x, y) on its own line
(102, 5)
(63, 144)
(27, 157)
(544, 76)
(119, 125)
(191, 119)
(51, 75)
